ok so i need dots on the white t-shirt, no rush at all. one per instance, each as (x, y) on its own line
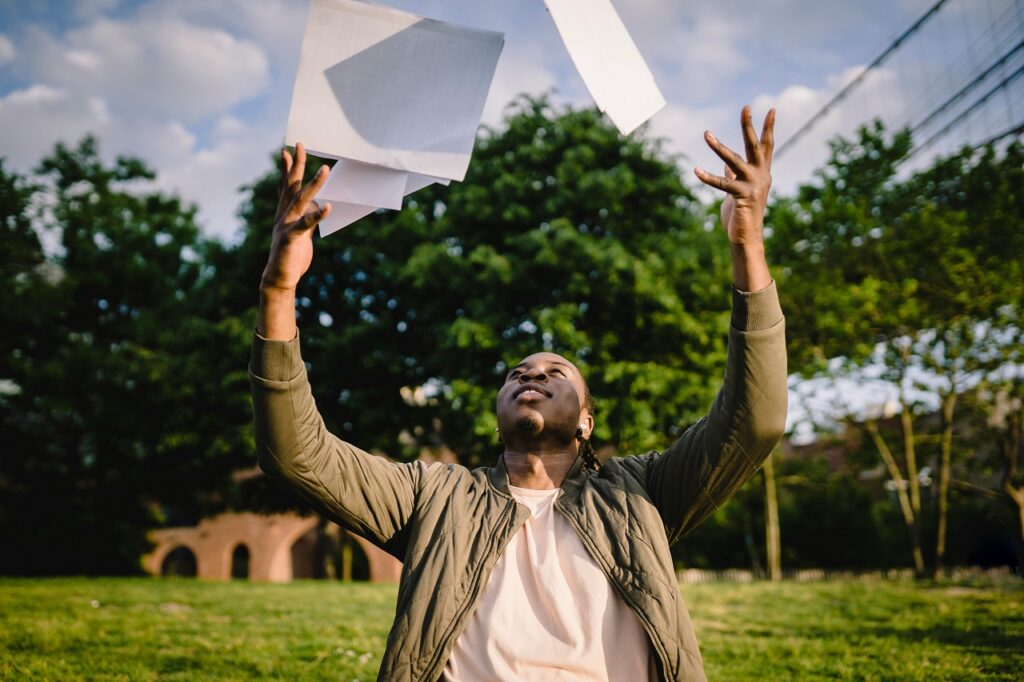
(548, 612)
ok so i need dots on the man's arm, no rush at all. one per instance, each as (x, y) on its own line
(364, 493)
(716, 456)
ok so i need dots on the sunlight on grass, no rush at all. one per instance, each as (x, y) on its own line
(144, 629)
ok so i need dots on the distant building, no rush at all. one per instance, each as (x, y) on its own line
(271, 548)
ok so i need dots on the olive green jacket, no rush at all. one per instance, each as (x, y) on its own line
(448, 525)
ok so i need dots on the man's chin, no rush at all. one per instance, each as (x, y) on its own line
(529, 423)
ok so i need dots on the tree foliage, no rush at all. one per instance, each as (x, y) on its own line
(123, 390)
(122, 403)
(126, 402)
(919, 276)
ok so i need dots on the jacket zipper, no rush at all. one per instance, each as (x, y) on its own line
(599, 560)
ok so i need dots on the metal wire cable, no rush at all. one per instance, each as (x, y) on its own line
(839, 96)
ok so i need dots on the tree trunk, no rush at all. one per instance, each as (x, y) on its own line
(1012, 447)
(772, 539)
(910, 455)
(910, 519)
(948, 407)
(1018, 500)
(346, 557)
(748, 540)
(913, 482)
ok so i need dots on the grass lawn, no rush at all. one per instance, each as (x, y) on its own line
(145, 629)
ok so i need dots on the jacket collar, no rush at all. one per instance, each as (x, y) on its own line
(498, 477)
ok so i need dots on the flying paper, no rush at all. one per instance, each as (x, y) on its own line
(397, 98)
(607, 59)
(345, 175)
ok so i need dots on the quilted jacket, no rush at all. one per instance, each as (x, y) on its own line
(448, 524)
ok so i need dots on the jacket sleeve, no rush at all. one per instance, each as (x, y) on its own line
(718, 454)
(364, 493)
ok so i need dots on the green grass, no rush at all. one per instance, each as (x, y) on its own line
(139, 629)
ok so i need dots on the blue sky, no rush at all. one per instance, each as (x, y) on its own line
(201, 88)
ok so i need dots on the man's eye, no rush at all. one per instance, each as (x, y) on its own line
(513, 375)
(557, 371)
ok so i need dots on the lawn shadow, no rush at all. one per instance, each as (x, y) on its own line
(979, 639)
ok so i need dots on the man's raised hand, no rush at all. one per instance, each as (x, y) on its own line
(291, 250)
(745, 181)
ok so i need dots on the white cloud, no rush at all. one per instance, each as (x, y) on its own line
(39, 116)
(90, 9)
(691, 47)
(881, 95)
(212, 177)
(517, 73)
(149, 67)
(275, 25)
(683, 128)
(7, 50)
(229, 126)
(683, 125)
(43, 115)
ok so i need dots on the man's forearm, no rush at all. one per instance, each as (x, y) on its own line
(277, 314)
(749, 267)
(714, 457)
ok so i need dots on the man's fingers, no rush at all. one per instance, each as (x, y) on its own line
(750, 137)
(286, 164)
(312, 217)
(716, 181)
(305, 196)
(730, 157)
(728, 173)
(768, 136)
(298, 167)
(282, 183)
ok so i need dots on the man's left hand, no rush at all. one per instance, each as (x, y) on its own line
(745, 181)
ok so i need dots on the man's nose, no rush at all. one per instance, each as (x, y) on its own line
(532, 375)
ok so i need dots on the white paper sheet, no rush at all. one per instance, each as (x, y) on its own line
(607, 59)
(354, 192)
(343, 215)
(389, 88)
(361, 183)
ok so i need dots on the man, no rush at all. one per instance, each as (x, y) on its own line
(547, 566)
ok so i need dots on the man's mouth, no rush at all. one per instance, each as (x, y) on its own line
(531, 391)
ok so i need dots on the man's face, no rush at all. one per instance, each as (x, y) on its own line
(542, 399)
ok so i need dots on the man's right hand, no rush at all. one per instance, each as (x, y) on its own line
(291, 250)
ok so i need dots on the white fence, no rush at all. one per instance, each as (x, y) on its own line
(693, 576)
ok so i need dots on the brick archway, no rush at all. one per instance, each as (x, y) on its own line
(269, 539)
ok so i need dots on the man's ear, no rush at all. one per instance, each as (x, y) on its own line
(586, 424)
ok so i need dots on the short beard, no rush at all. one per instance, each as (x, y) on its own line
(528, 424)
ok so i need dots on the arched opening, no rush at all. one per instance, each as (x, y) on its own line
(180, 562)
(329, 553)
(353, 564)
(305, 553)
(240, 562)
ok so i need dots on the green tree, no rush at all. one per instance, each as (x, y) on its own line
(915, 276)
(123, 400)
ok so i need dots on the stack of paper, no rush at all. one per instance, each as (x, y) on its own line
(396, 98)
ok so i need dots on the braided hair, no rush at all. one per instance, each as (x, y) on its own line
(586, 450)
